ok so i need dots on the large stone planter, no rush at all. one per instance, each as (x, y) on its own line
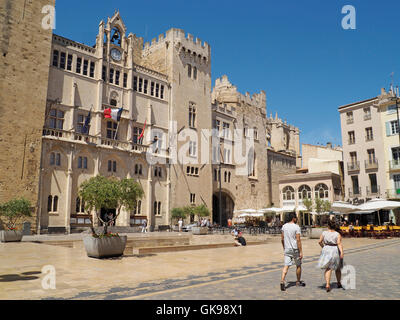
(316, 232)
(10, 236)
(199, 230)
(105, 247)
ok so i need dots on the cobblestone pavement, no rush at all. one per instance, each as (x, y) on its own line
(231, 273)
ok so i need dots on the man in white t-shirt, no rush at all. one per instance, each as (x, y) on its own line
(293, 251)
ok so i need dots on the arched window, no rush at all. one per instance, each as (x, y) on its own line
(189, 71)
(194, 73)
(139, 206)
(49, 203)
(225, 176)
(78, 205)
(155, 208)
(304, 192)
(288, 193)
(55, 203)
(159, 208)
(321, 191)
(229, 177)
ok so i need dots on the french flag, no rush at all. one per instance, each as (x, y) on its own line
(114, 114)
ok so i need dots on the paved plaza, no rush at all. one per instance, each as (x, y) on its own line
(238, 273)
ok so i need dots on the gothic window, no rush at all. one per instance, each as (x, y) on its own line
(304, 192)
(49, 203)
(82, 162)
(145, 84)
(112, 166)
(288, 193)
(189, 70)
(321, 191)
(104, 74)
(152, 89)
(140, 84)
(80, 205)
(135, 83)
(192, 115)
(111, 75)
(55, 203)
(157, 90)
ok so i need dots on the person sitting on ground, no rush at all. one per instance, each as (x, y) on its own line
(240, 240)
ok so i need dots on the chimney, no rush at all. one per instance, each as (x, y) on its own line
(329, 145)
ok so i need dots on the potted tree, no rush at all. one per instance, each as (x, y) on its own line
(200, 211)
(109, 193)
(178, 213)
(14, 210)
(320, 207)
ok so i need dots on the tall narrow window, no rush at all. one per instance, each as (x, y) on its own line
(117, 74)
(56, 119)
(85, 67)
(189, 70)
(52, 159)
(111, 130)
(78, 65)
(135, 83)
(368, 134)
(92, 69)
(152, 88)
(157, 90)
(58, 159)
(55, 58)
(125, 80)
(62, 60)
(140, 84)
(69, 62)
(49, 203)
(137, 132)
(194, 73)
(162, 92)
(146, 82)
(192, 115)
(104, 74)
(55, 203)
(111, 75)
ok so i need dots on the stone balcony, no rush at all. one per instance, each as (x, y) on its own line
(394, 165)
(353, 166)
(71, 136)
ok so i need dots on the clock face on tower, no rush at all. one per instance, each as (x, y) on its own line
(116, 54)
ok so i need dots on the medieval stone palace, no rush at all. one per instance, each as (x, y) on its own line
(130, 109)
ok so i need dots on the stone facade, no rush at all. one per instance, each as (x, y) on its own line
(163, 88)
(24, 68)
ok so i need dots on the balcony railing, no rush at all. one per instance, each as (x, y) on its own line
(351, 141)
(353, 166)
(373, 191)
(354, 192)
(393, 193)
(369, 138)
(371, 164)
(76, 136)
(349, 120)
(367, 116)
(394, 165)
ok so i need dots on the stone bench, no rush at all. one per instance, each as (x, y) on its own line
(159, 249)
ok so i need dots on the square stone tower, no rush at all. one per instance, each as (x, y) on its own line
(187, 63)
(24, 68)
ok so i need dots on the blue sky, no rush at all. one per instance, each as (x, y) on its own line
(294, 50)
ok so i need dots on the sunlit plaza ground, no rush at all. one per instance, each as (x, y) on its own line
(242, 273)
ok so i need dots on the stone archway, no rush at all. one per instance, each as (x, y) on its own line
(228, 206)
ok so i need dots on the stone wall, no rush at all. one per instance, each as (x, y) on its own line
(24, 68)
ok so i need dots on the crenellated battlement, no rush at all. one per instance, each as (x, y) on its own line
(185, 42)
(224, 90)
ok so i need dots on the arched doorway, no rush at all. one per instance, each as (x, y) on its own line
(228, 205)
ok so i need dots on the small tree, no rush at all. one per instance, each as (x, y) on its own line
(326, 206)
(201, 211)
(308, 204)
(14, 210)
(109, 193)
(189, 212)
(178, 213)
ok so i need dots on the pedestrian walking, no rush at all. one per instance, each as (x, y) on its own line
(293, 251)
(332, 254)
(180, 223)
(144, 226)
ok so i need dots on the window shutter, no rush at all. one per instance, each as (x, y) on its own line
(388, 129)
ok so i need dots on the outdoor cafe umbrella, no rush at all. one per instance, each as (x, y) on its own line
(378, 204)
(343, 207)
